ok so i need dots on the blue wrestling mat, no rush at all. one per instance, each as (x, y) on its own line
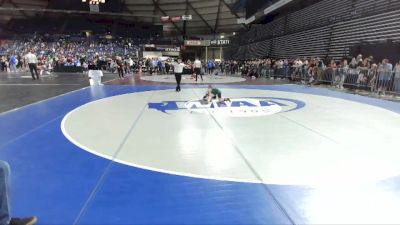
(136, 155)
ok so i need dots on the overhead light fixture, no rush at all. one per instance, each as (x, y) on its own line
(222, 36)
(276, 6)
(94, 2)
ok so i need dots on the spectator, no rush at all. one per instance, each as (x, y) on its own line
(363, 77)
(13, 63)
(373, 74)
(312, 71)
(3, 64)
(331, 72)
(344, 70)
(210, 67)
(298, 64)
(120, 66)
(384, 76)
(353, 71)
(320, 67)
(286, 68)
(397, 78)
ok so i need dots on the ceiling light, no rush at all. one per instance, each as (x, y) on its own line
(94, 2)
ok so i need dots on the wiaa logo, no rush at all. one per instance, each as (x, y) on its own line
(241, 107)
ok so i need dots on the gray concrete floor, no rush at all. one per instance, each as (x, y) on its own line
(18, 89)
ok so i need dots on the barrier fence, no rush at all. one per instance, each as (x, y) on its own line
(374, 80)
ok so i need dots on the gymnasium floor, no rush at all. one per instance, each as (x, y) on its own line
(131, 152)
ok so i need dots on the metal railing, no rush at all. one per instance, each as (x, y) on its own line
(377, 81)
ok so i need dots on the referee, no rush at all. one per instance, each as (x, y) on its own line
(178, 69)
(31, 60)
(197, 68)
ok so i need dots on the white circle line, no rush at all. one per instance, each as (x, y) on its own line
(217, 178)
(65, 133)
(69, 137)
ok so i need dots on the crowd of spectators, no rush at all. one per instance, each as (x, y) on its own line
(62, 51)
(356, 73)
(120, 56)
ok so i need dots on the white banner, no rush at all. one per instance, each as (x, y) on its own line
(187, 17)
(165, 19)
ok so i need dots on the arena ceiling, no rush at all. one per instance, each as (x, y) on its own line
(209, 16)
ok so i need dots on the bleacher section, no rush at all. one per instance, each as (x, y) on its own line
(379, 27)
(319, 14)
(325, 29)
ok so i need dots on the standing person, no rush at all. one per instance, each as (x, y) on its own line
(31, 60)
(13, 63)
(353, 71)
(312, 71)
(131, 65)
(373, 74)
(384, 76)
(222, 67)
(159, 66)
(397, 78)
(127, 66)
(3, 64)
(210, 66)
(343, 73)
(286, 68)
(5, 217)
(147, 65)
(197, 68)
(178, 69)
(120, 67)
(167, 66)
(20, 63)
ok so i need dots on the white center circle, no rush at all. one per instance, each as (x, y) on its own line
(328, 141)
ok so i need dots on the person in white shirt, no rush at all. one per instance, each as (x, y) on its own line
(197, 68)
(130, 64)
(31, 60)
(178, 69)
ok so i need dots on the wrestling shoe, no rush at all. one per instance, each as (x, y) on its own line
(24, 221)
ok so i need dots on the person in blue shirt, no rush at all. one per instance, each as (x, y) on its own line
(13, 63)
(222, 66)
(159, 64)
(210, 67)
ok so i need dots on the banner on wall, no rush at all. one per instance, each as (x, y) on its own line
(220, 42)
(176, 19)
(212, 43)
(151, 54)
(197, 43)
(187, 17)
(165, 19)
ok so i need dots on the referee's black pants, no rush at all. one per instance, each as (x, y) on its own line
(33, 68)
(178, 77)
(198, 72)
(120, 72)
